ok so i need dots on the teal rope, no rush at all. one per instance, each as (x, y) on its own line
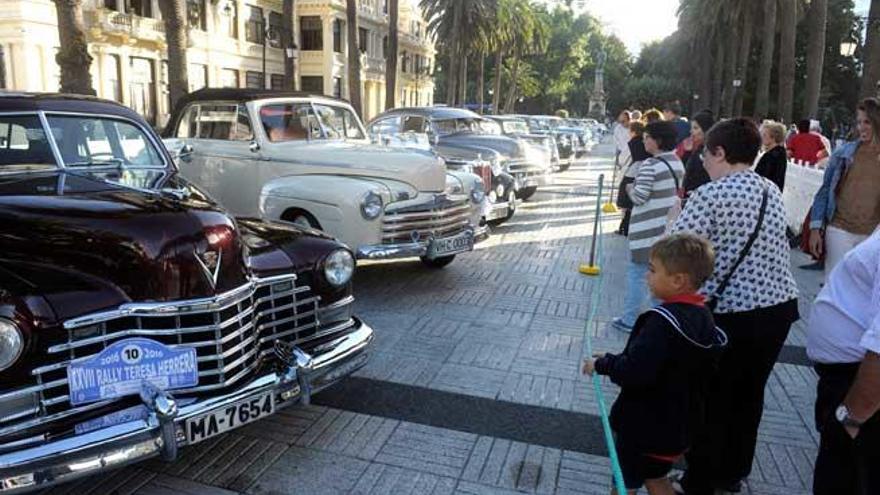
(597, 384)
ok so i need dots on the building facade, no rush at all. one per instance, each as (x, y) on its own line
(226, 49)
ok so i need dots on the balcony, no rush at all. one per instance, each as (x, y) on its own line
(109, 22)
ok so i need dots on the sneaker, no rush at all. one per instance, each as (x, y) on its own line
(619, 324)
(677, 487)
(819, 265)
(734, 487)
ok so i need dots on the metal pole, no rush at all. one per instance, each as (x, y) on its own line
(613, 177)
(596, 221)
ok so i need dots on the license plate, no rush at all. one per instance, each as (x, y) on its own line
(128, 365)
(451, 245)
(224, 419)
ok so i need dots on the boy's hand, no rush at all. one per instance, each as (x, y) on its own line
(589, 367)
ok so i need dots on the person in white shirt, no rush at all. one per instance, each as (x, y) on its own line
(843, 340)
(621, 139)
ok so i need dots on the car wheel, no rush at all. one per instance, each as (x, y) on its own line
(301, 218)
(511, 201)
(527, 192)
(437, 262)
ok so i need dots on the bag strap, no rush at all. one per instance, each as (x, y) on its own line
(674, 177)
(748, 246)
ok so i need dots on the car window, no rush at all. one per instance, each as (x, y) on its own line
(290, 122)
(339, 122)
(515, 127)
(390, 125)
(188, 125)
(490, 126)
(413, 123)
(84, 140)
(23, 142)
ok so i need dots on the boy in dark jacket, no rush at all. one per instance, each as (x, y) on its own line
(663, 370)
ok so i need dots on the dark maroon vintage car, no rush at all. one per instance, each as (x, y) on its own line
(136, 316)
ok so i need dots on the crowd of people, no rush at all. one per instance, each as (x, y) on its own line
(709, 248)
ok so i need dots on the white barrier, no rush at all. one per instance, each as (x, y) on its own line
(801, 183)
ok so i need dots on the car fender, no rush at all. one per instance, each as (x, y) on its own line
(333, 201)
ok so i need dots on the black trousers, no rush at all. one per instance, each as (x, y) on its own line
(723, 449)
(844, 466)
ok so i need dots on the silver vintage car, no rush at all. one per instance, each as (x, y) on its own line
(306, 159)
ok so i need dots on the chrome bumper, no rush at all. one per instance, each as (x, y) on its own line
(162, 433)
(408, 249)
(531, 179)
(498, 210)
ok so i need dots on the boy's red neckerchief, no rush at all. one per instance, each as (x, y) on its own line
(694, 298)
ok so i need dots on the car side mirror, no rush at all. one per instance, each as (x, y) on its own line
(186, 153)
(254, 147)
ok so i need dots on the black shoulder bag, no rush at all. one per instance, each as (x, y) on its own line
(713, 301)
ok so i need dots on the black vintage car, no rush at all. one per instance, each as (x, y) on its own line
(136, 315)
(516, 127)
(457, 128)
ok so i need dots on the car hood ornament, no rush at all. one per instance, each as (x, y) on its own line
(210, 262)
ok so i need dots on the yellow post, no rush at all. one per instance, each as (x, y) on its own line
(592, 268)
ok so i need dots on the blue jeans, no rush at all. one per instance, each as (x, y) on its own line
(636, 292)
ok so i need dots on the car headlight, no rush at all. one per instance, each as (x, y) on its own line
(479, 191)
(371, 205)
(496, 167)
(339, 267)
(11, 344)
(499, 190)
(453, 185)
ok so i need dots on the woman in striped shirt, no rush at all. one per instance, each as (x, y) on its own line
(652, 193)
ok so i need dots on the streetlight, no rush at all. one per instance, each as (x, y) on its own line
(848, 48)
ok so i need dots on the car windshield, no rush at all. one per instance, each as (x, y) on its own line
(304, 121)
(490, 127)
(453, 126)
(89, 141)
(515, 127)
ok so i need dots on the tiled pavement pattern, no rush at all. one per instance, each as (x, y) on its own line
(505, 323)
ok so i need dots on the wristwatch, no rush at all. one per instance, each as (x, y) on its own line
(843, 417)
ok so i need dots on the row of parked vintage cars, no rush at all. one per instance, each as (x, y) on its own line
(155, 293)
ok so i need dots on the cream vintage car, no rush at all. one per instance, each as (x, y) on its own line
(306, 159)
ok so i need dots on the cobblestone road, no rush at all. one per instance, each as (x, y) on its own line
(473, 385)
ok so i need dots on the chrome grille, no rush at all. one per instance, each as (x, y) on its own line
(442, 218)
(231, 333)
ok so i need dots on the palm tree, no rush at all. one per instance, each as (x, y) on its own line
(176, 34)
(718, 74)
(287, 12)
(817, 17)
(730, 51)
(742, 58)
(354, 57)
(392, 55)
(453, 22)
(872, 52)
(530, 37)
(768, 40)
(73, 57)
(787, 37)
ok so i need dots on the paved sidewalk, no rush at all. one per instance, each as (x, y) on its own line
(473, 386)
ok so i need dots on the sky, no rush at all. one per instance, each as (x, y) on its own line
(638, 22)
